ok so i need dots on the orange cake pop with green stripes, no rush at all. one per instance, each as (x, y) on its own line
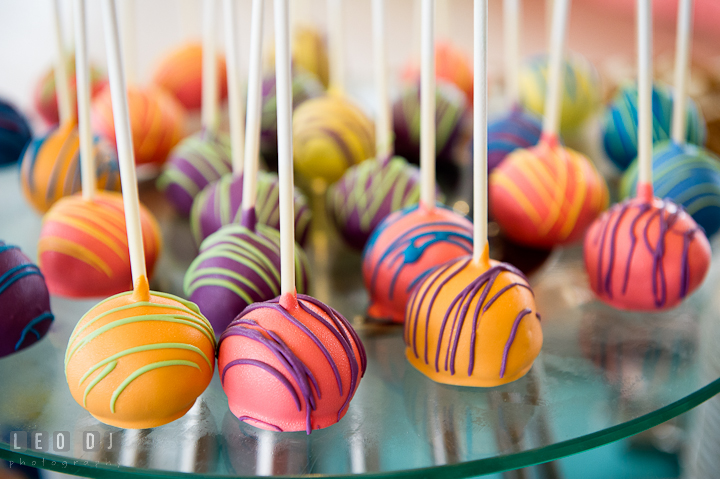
(139, 359)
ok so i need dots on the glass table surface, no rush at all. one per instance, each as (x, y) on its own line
(602, 375)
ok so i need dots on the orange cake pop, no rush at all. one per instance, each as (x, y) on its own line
(180, 73)
(472, 321)
(50, 168)
(157, 120)
(138, 359)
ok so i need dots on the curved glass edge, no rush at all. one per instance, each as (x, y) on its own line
(450, 471)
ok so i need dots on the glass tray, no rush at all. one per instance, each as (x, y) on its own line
(602, 375)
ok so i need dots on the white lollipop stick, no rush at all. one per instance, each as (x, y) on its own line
(82, 75)
(480, 130)
(127, 36)
(511, 42)
(644, 17)
(383, 136)
(62, 87)
(235, 97)
(209, 109)
(427, 105)
(126, 156)
(682, 70)
(254, 107)
(285, 166)
(553, 98)
(335, 44)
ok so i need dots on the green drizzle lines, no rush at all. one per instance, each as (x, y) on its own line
(108, 369)
(143, 370)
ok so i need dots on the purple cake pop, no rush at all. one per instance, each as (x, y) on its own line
(451, 116)
(24, 301)
(193, 164)
(238, 266)
(517, 129)
(367, 193)
(220, 204)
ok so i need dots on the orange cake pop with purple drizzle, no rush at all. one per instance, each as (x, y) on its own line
(472, 321)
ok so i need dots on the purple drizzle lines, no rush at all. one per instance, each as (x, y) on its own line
(305, 385)
(666, 216)
(480, 287)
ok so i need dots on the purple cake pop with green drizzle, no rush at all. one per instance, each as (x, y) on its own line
(367, 193)
(450, 119)
(24, 301)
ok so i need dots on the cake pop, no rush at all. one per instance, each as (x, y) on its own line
(304, 87)
(404, 248)
(518, 128)
(50, 168)
(373, 189)
(237, 267)
(367, 193)
(45, 98)
(645, 253)
(473, 321)
(546, 195)
(15, 134)
(199, 159)
(180, 73)
(451, 66)
(581, 96)
(224, 202)
(301, 358)
(194, 163)
(83, 249)
(240, 263)
(687, 175)
(450, 121)
(330, 134)
(221, 204)
(410, 243)
(157, 122)
(24, 300)
(620, 123)
(138, 359)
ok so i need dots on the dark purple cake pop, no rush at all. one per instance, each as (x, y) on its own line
(25, 315)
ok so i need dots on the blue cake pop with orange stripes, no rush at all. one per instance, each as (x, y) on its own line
(24, 301)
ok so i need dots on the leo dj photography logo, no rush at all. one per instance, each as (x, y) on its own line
(61, 441)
